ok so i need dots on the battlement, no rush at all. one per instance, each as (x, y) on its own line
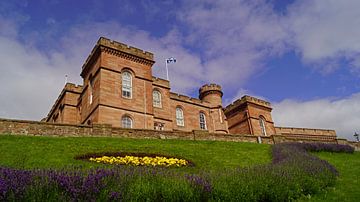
(125, 48)
(161, 82)
(120, 47)
(73, 88)
(186, 99)
(69, 87)
(208, 88)
(246, 99)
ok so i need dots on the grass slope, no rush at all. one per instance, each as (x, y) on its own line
(58, 152)
(54, 152)
(347, 186)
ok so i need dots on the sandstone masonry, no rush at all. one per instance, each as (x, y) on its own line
(120, 91)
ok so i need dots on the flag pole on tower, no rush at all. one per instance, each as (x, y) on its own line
(167, 61)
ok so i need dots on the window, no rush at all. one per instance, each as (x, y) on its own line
(179, 116)
(202, 121)
(158, 126)
(156, 98)
(126, 122)
(91, 89)
(126, 84)
(262, 125)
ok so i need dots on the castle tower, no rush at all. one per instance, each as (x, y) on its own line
(212, 94)
(250, 115)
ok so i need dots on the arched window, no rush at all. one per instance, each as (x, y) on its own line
(202, 121)
(179, 117)
(126, 84)
(262, 125)
(126, 122)
(156, 98)
(91, 89)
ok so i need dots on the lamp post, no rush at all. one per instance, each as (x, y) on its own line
(356, 135)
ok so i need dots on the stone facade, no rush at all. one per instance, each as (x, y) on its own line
(119, 89)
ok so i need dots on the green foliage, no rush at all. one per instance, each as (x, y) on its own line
(224, 171)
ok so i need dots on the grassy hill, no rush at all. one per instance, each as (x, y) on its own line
(208, 156)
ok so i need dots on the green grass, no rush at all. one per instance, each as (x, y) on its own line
(347, 186)
(59, 152)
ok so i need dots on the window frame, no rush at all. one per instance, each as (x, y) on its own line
(262, 123)
(157, 103)
(91, 89)
(126, 84)
(202, 123)
(124, 123)
(179, 114)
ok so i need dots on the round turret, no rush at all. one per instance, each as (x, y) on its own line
(211, 93)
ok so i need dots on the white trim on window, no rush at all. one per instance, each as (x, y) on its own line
(126, 122)
(202, 120)
(179, 117)
(126, 89)
(157, 99)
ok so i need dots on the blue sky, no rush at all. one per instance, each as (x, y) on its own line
(301, 55)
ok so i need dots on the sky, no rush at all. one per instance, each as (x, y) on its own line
(303, 56)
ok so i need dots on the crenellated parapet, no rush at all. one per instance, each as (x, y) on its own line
(247, 99)
(73, 87)
(68, 88)
(125, 48)
(210, 89)
(187, 99)
(161, 82)
(211, 93)
(119, 49)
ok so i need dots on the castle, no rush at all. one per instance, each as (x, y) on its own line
(119, 89)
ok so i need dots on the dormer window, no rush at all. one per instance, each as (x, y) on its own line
(126, 84)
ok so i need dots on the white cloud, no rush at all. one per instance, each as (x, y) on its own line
(32, 79)
(324, 32)
(235, 36)
(29, 82)
(339, 114)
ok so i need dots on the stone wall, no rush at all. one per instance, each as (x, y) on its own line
(36, 128)
(304, 131)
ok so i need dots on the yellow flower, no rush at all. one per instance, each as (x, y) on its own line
(135, 160)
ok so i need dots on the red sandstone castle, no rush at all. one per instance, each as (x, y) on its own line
(119, 89)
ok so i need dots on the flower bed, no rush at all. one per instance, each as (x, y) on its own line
(293, 173)
(143, 161)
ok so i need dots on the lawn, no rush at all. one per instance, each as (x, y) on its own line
(211, 156)
(59, 152)
(347, 186)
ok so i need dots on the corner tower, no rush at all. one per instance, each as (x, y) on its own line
(212, 94)
(250, 115)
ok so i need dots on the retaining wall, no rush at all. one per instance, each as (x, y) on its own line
(36, 128)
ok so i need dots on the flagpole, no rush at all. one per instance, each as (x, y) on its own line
(167, 71)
